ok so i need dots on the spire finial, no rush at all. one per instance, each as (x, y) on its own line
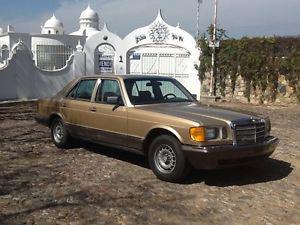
(159, 15)
(105, 26)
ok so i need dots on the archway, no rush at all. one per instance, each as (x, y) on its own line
(105, 59)
(164, 59)
(4, 52)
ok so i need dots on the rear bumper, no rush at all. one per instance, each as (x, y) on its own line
(213, 157)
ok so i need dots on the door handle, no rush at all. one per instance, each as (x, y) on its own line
(63, 104)
(93, 109)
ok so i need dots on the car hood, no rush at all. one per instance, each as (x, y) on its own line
(197, 112)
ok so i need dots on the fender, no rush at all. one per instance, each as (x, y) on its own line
(55, 114)
(167, 128)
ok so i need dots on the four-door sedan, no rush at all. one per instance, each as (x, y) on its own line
(157, 117)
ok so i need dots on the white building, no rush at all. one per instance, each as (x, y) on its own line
(39, 65)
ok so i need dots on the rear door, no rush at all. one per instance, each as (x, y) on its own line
(76, 107)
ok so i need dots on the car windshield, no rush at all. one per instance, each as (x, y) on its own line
(142, 91)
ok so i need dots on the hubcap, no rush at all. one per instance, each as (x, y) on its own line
(165, 158)
(58, 132)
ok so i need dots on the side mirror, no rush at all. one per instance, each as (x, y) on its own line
(116, 101)
(113, 100)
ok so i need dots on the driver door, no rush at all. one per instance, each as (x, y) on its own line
(109, 121)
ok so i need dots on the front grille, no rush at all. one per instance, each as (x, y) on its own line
(249, 131)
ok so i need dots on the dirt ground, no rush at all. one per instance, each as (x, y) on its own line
(91, 184)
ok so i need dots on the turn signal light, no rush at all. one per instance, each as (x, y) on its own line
(197, 133)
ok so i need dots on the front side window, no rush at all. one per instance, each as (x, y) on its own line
(156, 90)
(108, 88)
(83, 90)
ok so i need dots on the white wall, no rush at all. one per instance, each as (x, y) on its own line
(4, 40)
(21, 79)
(104, 37)
(186, 43)
(53, 39)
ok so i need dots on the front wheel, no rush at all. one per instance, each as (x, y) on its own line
(166, 159)
(60, 135)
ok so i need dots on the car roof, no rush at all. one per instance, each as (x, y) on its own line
(122, 76)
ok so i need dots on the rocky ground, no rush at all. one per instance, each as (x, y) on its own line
(91, 184)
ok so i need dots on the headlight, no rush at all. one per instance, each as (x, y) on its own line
(205, 133)
(211, 133)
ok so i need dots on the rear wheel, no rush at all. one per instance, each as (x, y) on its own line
(60, 135)
(166, 159)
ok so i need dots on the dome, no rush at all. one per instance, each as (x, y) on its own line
(53, 26)
(89, 13)
(53, 22)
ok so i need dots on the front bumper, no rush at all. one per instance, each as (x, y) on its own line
(213, 157)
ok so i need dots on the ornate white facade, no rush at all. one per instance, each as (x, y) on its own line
(51, 59)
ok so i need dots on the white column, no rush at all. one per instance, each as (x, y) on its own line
(141, 64)
(157, 63)
(175, 64)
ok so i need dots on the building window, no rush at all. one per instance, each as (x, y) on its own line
(4, 54)
(52, 57)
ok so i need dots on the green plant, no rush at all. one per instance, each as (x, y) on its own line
(258, 60)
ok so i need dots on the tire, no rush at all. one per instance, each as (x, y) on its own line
(167, 160)
(59, 133)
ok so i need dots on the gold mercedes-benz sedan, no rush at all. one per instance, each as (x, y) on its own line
(157, 117)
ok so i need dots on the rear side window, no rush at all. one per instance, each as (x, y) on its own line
(83, 90)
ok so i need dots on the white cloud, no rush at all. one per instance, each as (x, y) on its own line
(238, 17)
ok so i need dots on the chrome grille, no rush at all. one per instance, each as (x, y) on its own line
(248, 131)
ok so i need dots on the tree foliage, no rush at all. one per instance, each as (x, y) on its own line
(258, 60)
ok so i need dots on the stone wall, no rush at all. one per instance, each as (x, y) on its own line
(285, 93)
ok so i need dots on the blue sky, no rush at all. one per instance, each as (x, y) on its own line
(238, 17)
(24, 9)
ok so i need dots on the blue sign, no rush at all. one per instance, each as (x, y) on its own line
(106, 66)
(135, 56)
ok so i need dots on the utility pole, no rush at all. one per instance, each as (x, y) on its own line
(214, 42)
(198, 19)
